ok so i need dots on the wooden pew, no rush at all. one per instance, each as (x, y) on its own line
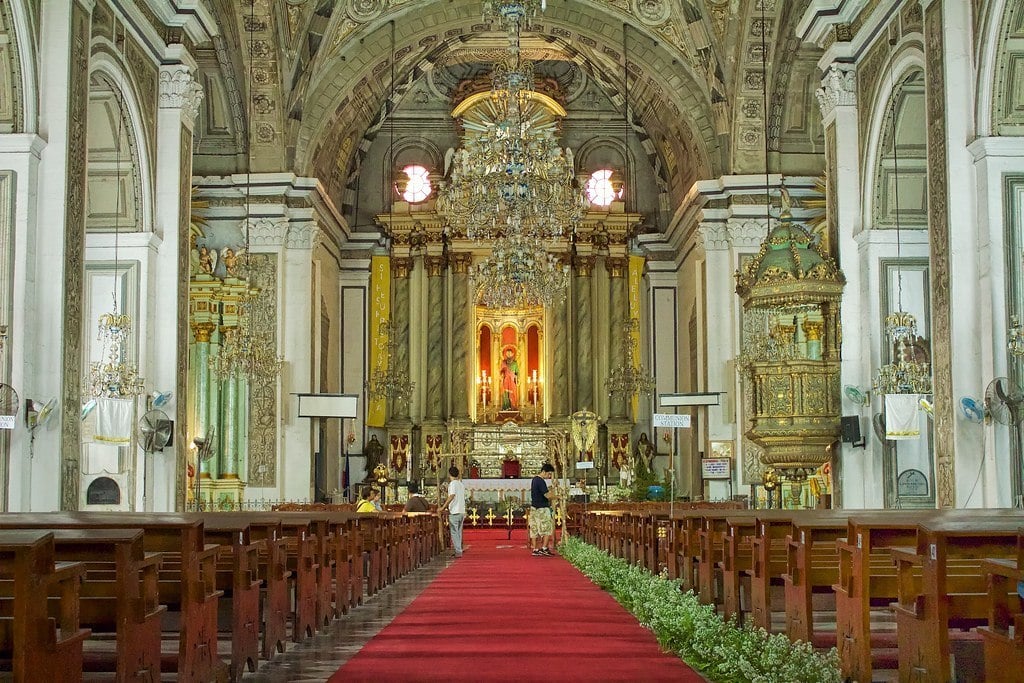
(187, 583)
(34, 646)
(1003, 637)
(120, 596)
(737, 558)
(813, 569)
(238, 576)
(941, 587)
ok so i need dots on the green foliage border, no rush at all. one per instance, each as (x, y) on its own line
(719, 649)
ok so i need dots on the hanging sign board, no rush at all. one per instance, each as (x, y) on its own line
(671, 420)
(328, 405)
(585, 465)
(7, 421)
(715, 468)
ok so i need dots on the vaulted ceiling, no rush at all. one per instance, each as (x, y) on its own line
(319, 78)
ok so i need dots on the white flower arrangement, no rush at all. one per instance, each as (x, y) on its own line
(722, 651)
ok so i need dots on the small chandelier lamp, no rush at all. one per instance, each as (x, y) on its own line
(518, 274)
(908, 370)
(387, 382)
(629, 378)
(116, 376)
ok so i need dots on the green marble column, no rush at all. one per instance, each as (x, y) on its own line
(212, 427)
(616, 316)
(242, 428)
(558, 382)
(228, 456)
(400, 327)
(435, 338)
(584, 342)
(460, 335)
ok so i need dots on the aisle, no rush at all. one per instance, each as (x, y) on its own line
(500, 614)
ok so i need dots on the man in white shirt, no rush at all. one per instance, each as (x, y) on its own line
(456, 507)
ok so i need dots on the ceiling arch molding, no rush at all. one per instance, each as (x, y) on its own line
(662, 80)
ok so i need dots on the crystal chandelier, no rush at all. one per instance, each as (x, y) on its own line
(114, 377)
(629, 378)
(242, 353)
(510, 179)
(387, 382)
(906, 373)
(519, 274)
(511, 176)
(511, 14)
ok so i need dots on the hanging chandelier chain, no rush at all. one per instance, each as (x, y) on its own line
(764, 104)
(896, 170)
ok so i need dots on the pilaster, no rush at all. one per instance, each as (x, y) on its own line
(461, 335)
(584, 327)
(179, 99)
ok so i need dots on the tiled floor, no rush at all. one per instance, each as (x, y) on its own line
(318, 658)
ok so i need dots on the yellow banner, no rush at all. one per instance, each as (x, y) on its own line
(380, 312)
(636, 273)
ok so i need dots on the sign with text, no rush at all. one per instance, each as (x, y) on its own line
(6, 421)
(671, 420)
(585, 465)
(715, 468)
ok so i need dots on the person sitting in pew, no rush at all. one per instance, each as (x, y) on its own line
(368, 500)
(416, 502)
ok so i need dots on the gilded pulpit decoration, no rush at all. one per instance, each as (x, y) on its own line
(792, 364)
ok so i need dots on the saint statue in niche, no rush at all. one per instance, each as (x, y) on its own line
(509, 380)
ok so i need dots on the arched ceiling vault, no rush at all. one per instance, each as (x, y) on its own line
(349, 79)
(324, 84)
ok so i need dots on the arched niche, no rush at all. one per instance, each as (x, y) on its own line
(901, 168)
(113, 171)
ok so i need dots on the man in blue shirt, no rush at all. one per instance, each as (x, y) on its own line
(542, 524)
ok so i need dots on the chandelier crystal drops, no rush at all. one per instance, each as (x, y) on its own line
(388, 382)
(242, 354)
(906, 373)
(629, 378)
(519, 273)
(511, 14)
(116, 376)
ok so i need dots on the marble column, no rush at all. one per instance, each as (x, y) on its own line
(179, 99)
(558, 382)
(228, 456)
(435, 338)
(200, 372)
(461, 335)
(616, 317)
(584, 342)
(400, 270)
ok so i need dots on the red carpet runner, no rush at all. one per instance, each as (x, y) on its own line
(500, 614)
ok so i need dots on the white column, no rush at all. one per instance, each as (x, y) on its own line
(966, 316)
(721, 311)
(837, 98)
(21, 154)
(295, 323)
(995, 158)
(180, 96)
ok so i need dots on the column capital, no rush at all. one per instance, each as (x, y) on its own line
(180, 90)
(401, 266)
(616, 266)
(434, 265)
(838, 89)
(460, 262)
(714, 236)
(584, 265)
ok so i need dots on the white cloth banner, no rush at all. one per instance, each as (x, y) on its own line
(902, 417)
(114, 420)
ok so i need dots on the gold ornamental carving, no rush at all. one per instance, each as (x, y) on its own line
(401, 266)
(202, 332)
(434, 265)
(460, 263)
(616, 266)
(584, 265)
